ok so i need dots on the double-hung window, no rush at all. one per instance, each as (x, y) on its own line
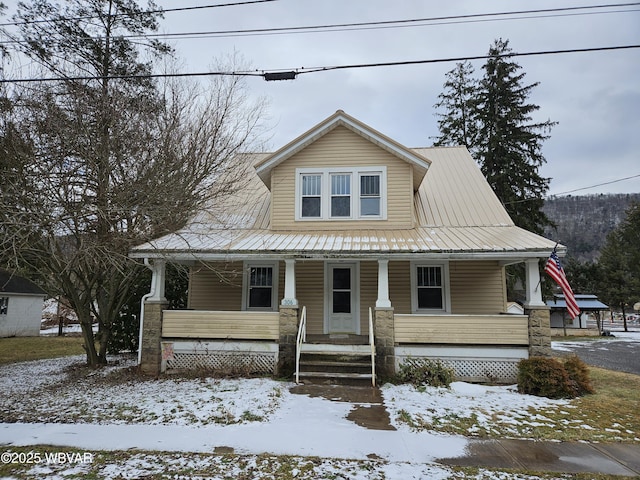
(430, 283)
(370, 194)
(260, 286)
(352, 193)
(4, 305)
(340, 195)
(311, 196)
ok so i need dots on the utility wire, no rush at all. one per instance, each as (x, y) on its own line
(290, 74)
(593, 186)
(358, 24)
(146, 12)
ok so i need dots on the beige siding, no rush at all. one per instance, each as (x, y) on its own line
(462, 329)
(477, 288)
(368, 293)
(342, 148)
(310, 293)
(221, 325)
(400, 286)
(218, 286)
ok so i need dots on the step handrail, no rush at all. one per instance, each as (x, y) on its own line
(373, 348)
(300, 339)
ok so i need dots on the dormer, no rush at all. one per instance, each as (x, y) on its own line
(342, 174)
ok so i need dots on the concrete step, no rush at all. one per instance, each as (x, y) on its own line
(329, 349)
(335, 366)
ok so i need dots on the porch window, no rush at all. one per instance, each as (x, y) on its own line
(260, 285)
(4, 305)
(430, 283)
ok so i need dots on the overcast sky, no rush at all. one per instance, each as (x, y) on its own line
(595, 96)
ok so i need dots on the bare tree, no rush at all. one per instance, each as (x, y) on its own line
(100, 164)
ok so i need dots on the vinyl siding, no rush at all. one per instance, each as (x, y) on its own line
(221, 325)
(310, 293)
(218, 286)
(342, 148)
(477, 288)
(467, 329)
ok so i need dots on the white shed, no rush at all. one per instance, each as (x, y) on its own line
(21, 304)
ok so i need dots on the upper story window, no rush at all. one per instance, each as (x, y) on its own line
(357, 193)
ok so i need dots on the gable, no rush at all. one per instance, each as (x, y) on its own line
(342, 152)
(418, 163)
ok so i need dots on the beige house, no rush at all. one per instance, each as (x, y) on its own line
(348, 245)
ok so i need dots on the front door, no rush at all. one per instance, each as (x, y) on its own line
(342, 301)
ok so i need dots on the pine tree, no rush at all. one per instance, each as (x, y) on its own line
(509, 142)
(458, 125)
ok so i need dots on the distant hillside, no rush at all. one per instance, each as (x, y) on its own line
(583, 222)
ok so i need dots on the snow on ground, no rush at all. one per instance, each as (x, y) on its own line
(617, 332)
(185, 420)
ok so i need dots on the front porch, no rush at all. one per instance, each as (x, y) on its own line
(479, 346)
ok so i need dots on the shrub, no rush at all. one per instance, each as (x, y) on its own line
(547, 377)
(543, 377)
(578, 373)
(424, 371)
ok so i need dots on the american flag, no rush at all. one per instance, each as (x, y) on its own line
(555, 271)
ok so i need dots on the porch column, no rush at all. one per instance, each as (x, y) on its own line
(383, 284)
(289, 298)
(533, 287)
(153, 303)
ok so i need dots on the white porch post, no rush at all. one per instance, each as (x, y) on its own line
(158, 269)
(383, 284)
(533, 288)
(289, 298)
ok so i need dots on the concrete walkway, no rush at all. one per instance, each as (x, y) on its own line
(561, 457)
(539, 456)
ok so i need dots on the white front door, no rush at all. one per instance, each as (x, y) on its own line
(342, 298)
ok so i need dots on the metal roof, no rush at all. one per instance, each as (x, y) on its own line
(456, 213)
(585, 303)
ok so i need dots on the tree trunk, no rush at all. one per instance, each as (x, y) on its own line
(624, 317)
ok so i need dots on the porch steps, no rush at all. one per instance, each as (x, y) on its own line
(335, 364)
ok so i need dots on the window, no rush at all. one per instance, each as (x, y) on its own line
(341, 195)
(370, 195)
(429, 289)
(260, 286)
(311, 199)
(356, 193)
(4, 305)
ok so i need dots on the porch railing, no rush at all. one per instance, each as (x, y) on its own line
(373, 348)
(232, 325)
(300, 339)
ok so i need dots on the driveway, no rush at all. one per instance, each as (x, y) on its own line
(620, 353)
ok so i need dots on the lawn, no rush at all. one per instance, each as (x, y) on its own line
(22, 349)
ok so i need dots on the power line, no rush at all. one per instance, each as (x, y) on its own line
(146, 12)
(290, 74)
(593, 186)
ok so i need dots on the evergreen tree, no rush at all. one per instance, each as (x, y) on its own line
(510, 143)
(620, 264)
(493, 119)
(458, 125)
